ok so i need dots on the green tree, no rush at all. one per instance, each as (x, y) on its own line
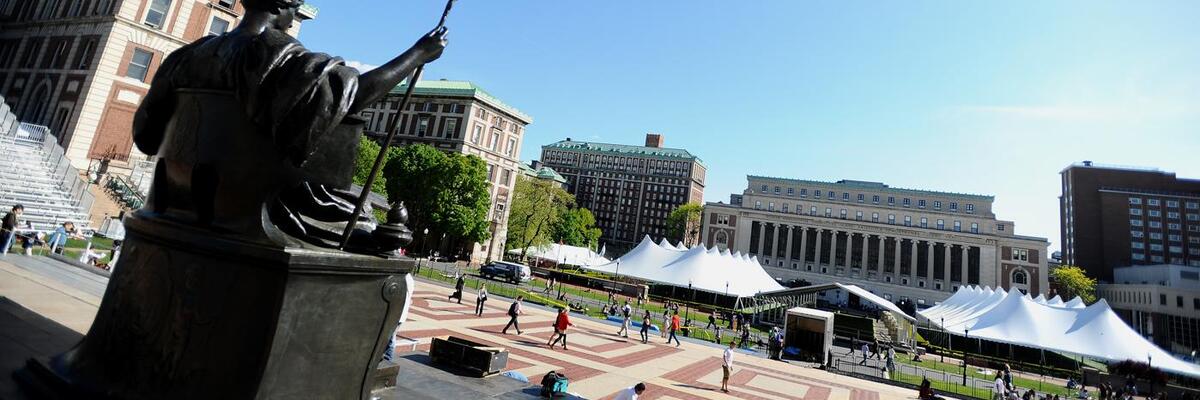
(1072, 281)
(446, 193)
(683, 224)
(577, 227)
(537, 207)
(367, 151)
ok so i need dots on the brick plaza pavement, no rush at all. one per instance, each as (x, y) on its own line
(599, 363)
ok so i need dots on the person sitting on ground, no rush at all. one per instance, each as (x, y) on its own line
(925, 392)
(631, 393)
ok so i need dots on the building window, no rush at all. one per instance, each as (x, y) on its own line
(1193, 217)
(1153, 202)
(1137, 245)
(157, 14)
(1156, 224)
(941, 224)
(785, 208)
(845, 196)
(974, 227)
(422, 126)
(777, 190)
(812, 210)
(477, 134)
(1155, 213)
(862, 197)
(1192, 205)
(1174, 226)
(907, 220)
(924, 222)
(907, 202)
(495, 141)
(1155, 236)
(921, 203)
(828, 212)
(817, 194)
(830, 194)
(1000, 227)
(764, 189)
(958, 226)
(891, 201)
(1020, 254)
(791, 191)
(937, 204)
(1020, 278)
(450, 128)
(892, 219)
(1156, 247)
(771, 206)
(139, 65)
(1172, 215)
(1162, 299)
(1137, 234)
(858, 215)
(226, 3)
(1135, 222)
(970, 208)
(218, 26)
(1172, 204)
(875, 199)
(843, 213)
(1135, 211)
(757, 204)
(874, 217)
(953, 206)
(1135, 201)
(1138, 256)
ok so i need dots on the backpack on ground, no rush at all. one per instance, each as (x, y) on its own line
(554, 384)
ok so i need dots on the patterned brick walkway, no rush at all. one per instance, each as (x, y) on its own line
(599, 363)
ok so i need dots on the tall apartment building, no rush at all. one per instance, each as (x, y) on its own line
(1115, 217)
(460, 117)
(630, 189)
(81, 67)
(902, 244)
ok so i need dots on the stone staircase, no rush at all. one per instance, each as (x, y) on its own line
(35, 174)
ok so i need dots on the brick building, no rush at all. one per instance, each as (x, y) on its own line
(902, 244)
(460, 117)
(81, 67)
(1115, 217)
(630, 189)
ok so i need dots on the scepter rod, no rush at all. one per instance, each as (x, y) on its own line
(387, 141)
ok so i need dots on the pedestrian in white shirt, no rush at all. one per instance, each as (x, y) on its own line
(999, 387)
(727, 367)
(631, 393)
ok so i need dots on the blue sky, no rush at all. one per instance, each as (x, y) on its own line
(979, 97)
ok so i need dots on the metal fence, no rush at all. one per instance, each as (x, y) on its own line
(942, 381)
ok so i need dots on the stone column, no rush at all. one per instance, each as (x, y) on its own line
(774, 241)
(866, 244)
(912, 263)
(762, 235)
(896, 261)
(817, 258)
(849, 251)
(880, 260)
(963, 267)
(788, 251)
(946, 268)
(803, 242)
(929, 265)
(833, 248)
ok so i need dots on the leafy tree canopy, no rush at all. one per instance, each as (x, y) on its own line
(1072, 281)
(683, 224)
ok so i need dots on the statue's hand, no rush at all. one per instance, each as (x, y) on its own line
(431, 45)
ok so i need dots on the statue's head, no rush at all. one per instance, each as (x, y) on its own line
(284, 11)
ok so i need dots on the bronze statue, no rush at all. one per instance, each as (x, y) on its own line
(233, 283)
(295, 99)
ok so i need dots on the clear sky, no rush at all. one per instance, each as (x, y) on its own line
(979, 97)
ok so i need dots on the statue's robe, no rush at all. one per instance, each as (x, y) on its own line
(292, 95)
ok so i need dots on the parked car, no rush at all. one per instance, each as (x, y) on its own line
(505, 271)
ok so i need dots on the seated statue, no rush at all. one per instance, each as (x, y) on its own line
(256, 135)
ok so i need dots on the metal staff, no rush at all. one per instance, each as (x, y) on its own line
(387, 142)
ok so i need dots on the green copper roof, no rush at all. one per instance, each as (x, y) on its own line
(662, 152)
(869, 186)
(308, 11)
(462, 89)
(543, 173)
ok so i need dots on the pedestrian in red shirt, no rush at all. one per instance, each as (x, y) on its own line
(560, 328)
(674, 328)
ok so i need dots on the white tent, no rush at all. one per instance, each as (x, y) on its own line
(1014, 318)
(565, 254)
(705, 269)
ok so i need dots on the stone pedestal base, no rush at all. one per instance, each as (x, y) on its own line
(189, 315)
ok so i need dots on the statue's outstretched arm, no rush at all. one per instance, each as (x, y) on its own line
(376, 83)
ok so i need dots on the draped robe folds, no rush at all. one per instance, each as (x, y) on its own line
(292, 96)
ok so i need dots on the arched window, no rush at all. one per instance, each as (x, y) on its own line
(722, 237)
(1020, 278)
(37, 106)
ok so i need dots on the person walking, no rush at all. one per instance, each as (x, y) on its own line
(745, 335)
(999, 388)
(712, 320)
(726, 367)
(890, 359)
(8, 230)
(645, 332)
(674, 329)
(865, 349)
(626, 313)
(549, 284)
(560, 328)
(666, 319)
(458, 289)
(480, 298)
(631, 393)
(514, 310)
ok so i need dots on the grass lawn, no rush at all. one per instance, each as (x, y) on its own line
(930, 362)
(945, 387)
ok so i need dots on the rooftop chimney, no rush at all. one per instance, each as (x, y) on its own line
(535, 165)
(1087, 163)
(654, 140)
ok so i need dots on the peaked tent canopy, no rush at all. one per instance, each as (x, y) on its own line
(565, 254)
(705, 269)
(1014, 318)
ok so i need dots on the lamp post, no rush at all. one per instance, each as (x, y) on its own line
(424, 238)
(1149, 367)
(687, 309)
(966, 332)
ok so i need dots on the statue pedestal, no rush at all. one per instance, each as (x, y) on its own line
(190, 315)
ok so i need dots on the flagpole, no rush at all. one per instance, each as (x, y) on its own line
(387, 142)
